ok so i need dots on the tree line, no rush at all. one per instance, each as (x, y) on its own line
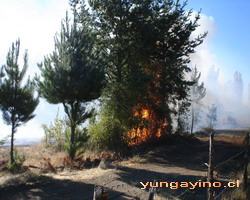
(128, 54)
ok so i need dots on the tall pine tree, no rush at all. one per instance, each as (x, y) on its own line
(127, 78)
(170, 56)
(148, 47)
(17, 101)
(73, 73)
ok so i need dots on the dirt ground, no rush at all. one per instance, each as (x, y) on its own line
(183, 162)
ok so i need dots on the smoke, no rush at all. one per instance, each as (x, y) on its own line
(227, 93)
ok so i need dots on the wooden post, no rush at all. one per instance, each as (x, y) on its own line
(210, 173)
(245, 179)
(151, 193)
(100, 193)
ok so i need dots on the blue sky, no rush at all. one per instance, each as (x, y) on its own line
(227, 46)
(231, 40)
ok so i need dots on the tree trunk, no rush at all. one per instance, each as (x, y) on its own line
(12, 143)
(192, 122)
(71, 113)
(168, 120)
(210, 177)
(73, 129)
(72, 141)
(179, 122)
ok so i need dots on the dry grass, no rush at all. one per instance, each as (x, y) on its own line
(80, 175)
(35, 155)
(237, 193)
(7, 179)
(157, 197)
(231, 138)
(136, 159)
(228, 138)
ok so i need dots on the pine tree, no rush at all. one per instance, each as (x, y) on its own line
(73, 74)
(127, 78)
(197, 93)
(183, 115)
(17, 101)
(212, 116)
(172, 50)
(151, 38)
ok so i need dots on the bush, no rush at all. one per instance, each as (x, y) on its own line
(107, 134)
(201, 134)
(57, 136)
(3, 141)
(16, 167)
(207, 130)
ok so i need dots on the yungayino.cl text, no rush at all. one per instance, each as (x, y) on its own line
(190, 185)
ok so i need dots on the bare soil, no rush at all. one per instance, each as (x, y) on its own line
(179, 162)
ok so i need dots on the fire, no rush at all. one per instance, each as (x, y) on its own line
(145, 113)
(149, 126)
(151, 123)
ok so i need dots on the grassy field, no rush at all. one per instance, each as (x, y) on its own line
(180, 159)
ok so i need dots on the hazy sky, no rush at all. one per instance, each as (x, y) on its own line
(35, 22)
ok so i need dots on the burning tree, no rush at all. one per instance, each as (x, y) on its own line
(148, 46)
(168, 57)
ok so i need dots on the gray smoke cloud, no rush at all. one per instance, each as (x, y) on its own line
(230, 94)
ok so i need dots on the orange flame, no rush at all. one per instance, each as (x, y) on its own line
(149, 127)
(151, 124)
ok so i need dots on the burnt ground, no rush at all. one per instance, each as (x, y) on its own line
(181, 162)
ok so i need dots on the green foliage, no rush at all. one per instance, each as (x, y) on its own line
(16, 166)
(127, 78)
(2, 142)
(81, 138)
(148, 49)
(73, 74)
(55, 134)
(107, 134)
(17, 101)
(58, 135)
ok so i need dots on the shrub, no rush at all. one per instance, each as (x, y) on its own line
(57, 136)
(3, 141)
(16, 166)
(107, 134)
(207, 130)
